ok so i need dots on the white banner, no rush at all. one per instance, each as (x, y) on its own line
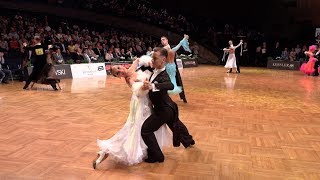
(179, 63)
(88, 70)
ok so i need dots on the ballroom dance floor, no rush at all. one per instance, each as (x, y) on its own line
(260, 124)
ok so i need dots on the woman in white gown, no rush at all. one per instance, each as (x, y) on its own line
(231, 61)
(127, 146)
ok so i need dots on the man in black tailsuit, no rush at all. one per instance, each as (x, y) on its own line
(40, 53)
(164, 110)
(179, 81)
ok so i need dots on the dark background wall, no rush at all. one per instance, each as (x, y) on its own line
(278, 18)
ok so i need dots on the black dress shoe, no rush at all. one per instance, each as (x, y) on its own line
(94, 164)
(150, 160)
(193, 142)
(187, 143)
(176, 143)
(184, 100)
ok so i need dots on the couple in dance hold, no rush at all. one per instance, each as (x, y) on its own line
(145, 132)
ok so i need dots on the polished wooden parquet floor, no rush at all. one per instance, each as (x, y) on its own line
(260, 124)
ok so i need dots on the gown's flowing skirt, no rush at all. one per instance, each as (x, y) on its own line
(172, 70)
(308, 68)
(231, 61)
(48, 73)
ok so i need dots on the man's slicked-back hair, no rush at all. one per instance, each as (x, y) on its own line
(164, 37)
(161, 50)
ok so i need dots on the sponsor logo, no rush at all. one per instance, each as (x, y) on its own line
(286, 65)
(100, 68)
(190, 63)
(60, 72)
(89, 71)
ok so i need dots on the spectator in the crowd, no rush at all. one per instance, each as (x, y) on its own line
(91, 54)
(116, 53)
(4, 74)
(302, 56)
(258, 59)
(264, 54)
(3, 44)
(285, 54)
(195, 49)
(57, 56)
(244, 57)
(14, 46)
(85, 55)
(277, 51)
(98, 50)
(297, 49)
(292, 55)
(78, 56)
(122, 54)
(149, 51)
(129, 53)
(72, 51)
(109, 55)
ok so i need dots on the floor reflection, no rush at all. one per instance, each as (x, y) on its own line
(230, 80)
(80, 85)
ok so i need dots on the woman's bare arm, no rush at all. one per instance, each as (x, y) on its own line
(134, 65)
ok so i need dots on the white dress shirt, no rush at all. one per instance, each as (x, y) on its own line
(156, 72)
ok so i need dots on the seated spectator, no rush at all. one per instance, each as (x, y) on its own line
(285, 54)
(122, 54)
(4, 74)
(85, 55)
(14, 46)
(149, 51)
(3, 44)
(91, 53)
(195, 49)
(98, 50)
(57, 56)
(130, 53)
(292, 55)
(301, 56)
(116, 53)
(72, 52)
(277, 51)
(79, 56)
(109, 55)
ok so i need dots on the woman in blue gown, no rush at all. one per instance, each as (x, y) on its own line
(171, 65)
